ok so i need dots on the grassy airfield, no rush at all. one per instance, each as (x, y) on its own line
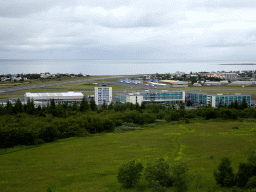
(91, 163)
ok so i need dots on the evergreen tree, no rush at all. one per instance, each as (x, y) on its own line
(220, 104)
(9, 107)
(31, 107)
(18, 107)
(84, 106)
(111, 106)
(236, 105)
(224, 174)
(93, 106)
(104, 106)
(74, 107)
(243, 104)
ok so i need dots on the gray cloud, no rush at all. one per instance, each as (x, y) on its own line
(129, 29)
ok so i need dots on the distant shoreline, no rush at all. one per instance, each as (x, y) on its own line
(240, 64)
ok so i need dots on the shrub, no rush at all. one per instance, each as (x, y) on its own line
(251, 184)
(158, 171)
(129, 174)
(180, 177)
(156, 187)
(224, 174)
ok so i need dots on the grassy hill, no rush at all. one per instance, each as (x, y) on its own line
(91, 163)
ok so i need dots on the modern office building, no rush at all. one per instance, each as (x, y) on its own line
(202, 99)
(129, 97)
(103, 93)
(152, 96)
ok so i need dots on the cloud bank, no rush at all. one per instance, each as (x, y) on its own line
(118, 29)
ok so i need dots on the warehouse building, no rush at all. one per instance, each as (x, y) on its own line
(202, 99)
(60, 97)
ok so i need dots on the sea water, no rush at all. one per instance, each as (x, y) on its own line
(120, 67)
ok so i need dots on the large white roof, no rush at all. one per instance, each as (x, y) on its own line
(59, 94)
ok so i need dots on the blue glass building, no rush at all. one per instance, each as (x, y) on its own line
(202, 99)
(154, 96)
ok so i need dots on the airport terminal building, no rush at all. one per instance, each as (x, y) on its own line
(202, 99)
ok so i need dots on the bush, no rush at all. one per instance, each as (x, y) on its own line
(251, 184)
(158, 171)
(224, 174)
(156, 187)
(129, 174)
(180, 177)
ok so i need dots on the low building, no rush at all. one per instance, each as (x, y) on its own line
(129, 98)
(176, 84)
(152, 96)
(212, 83)
(60, 97)
(230, 76)
(202, 99)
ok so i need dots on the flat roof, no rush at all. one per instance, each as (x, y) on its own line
(219, 94)
(58, 94)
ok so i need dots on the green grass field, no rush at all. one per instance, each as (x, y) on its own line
(252, 93)
(91, 163)
(9, 96)
(90, 86)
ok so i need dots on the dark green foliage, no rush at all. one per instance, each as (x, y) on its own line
(18, 107)
(30, 107)
(9, 107)
(156, 187)
(129, 174)
(243, 104)
(84, 106)
(158, 171)
(172, 116)
(189, 103)
(245, 171)
(93, 106)
(181, 177)
(251, 184)
(108, 125)
(48, 133)
(210, 113)
(224, 174)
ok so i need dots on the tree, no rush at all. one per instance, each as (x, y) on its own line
(243, 104)
(9, 107)
(93, 105)
(104, 106)
(30, 107)
(84, 106)
(224, 174)
(189, 103)
(220, 104)
(180, 177)
(251, 184)
(158, 171)
(18, 107)
(129, 174)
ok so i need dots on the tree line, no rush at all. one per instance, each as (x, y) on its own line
(25, 124)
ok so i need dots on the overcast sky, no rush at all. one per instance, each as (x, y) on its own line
(128, 29)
